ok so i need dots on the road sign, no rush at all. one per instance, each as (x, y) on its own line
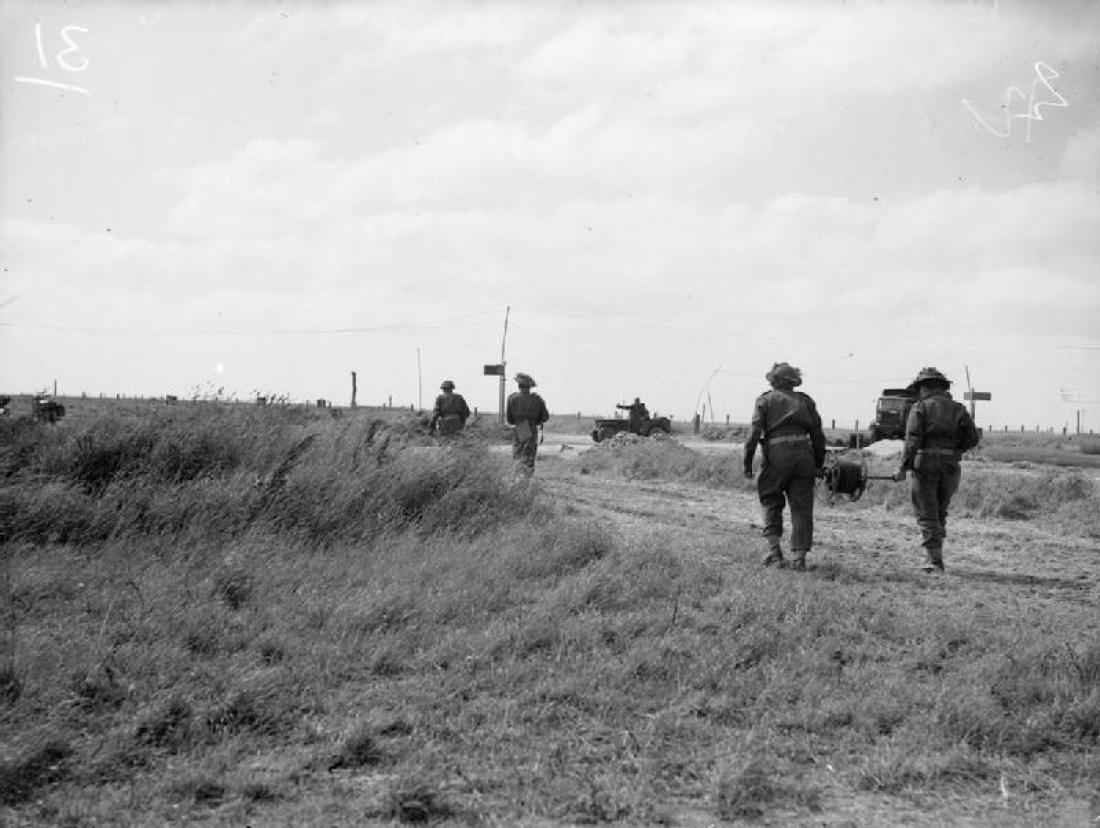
(977, 395)
(494, 370)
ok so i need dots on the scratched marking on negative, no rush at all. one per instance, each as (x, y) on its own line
(1044, 74)
(77, 63)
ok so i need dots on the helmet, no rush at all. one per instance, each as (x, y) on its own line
(447, 386)
(525, 380)
(929, 374)
(783, 373)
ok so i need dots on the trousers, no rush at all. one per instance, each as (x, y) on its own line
(935, 481)
(787, 479)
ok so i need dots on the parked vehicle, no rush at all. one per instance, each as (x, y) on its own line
(47, 410)
(605, 429)
(892, 413)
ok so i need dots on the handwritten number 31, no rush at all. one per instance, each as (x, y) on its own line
(63, 61)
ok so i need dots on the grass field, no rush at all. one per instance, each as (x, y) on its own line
(228, 614)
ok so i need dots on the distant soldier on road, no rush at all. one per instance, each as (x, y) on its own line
(638, 415)
(450, 412)
(526, 411)
(938, 432)
(786, 424)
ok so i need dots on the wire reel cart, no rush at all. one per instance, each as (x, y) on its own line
(845, 473)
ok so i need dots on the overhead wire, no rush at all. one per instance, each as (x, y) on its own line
(454, 321)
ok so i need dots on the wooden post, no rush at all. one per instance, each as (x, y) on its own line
(503, 365)
(353, 389)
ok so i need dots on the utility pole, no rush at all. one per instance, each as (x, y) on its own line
(503, 363)
(353, 389)
(419, 383)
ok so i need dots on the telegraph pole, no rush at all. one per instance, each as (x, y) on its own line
(503, 363)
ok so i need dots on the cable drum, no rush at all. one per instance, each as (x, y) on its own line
(845, 474)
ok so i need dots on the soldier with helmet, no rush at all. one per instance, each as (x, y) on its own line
(638, 416)
(450, 412)
(526, 412)
(786, 425)
(938, 432)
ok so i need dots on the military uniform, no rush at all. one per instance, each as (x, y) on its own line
(526, 411)
(451, 411)
(937, 433)
(786, 424)
(639, 414)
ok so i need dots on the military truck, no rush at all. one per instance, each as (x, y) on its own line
(891, 414)
(605, 429)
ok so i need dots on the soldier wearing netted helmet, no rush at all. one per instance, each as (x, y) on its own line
(526, 412)
(937, 433)
(450, 412)
(786, 425)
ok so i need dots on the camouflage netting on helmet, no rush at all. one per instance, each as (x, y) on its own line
(930, 375)
(783, 373)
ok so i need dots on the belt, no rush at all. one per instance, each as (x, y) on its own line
(790, 438)
(937, 451)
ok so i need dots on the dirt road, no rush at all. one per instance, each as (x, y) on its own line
(999, 569)
(1014, 559)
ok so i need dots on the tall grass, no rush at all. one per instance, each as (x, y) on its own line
(220, 473)
(666, 459)
(386, 631)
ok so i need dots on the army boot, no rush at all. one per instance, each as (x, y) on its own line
(933, 563)
(775, 554)
(798, 562)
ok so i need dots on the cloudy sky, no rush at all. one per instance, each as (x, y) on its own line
(670, 197)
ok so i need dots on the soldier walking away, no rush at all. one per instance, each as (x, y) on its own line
(526, 412)
(638, 415)
(450, 412)
(786, 425)
(938, 432)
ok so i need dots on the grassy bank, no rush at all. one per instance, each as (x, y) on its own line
(294, 620)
